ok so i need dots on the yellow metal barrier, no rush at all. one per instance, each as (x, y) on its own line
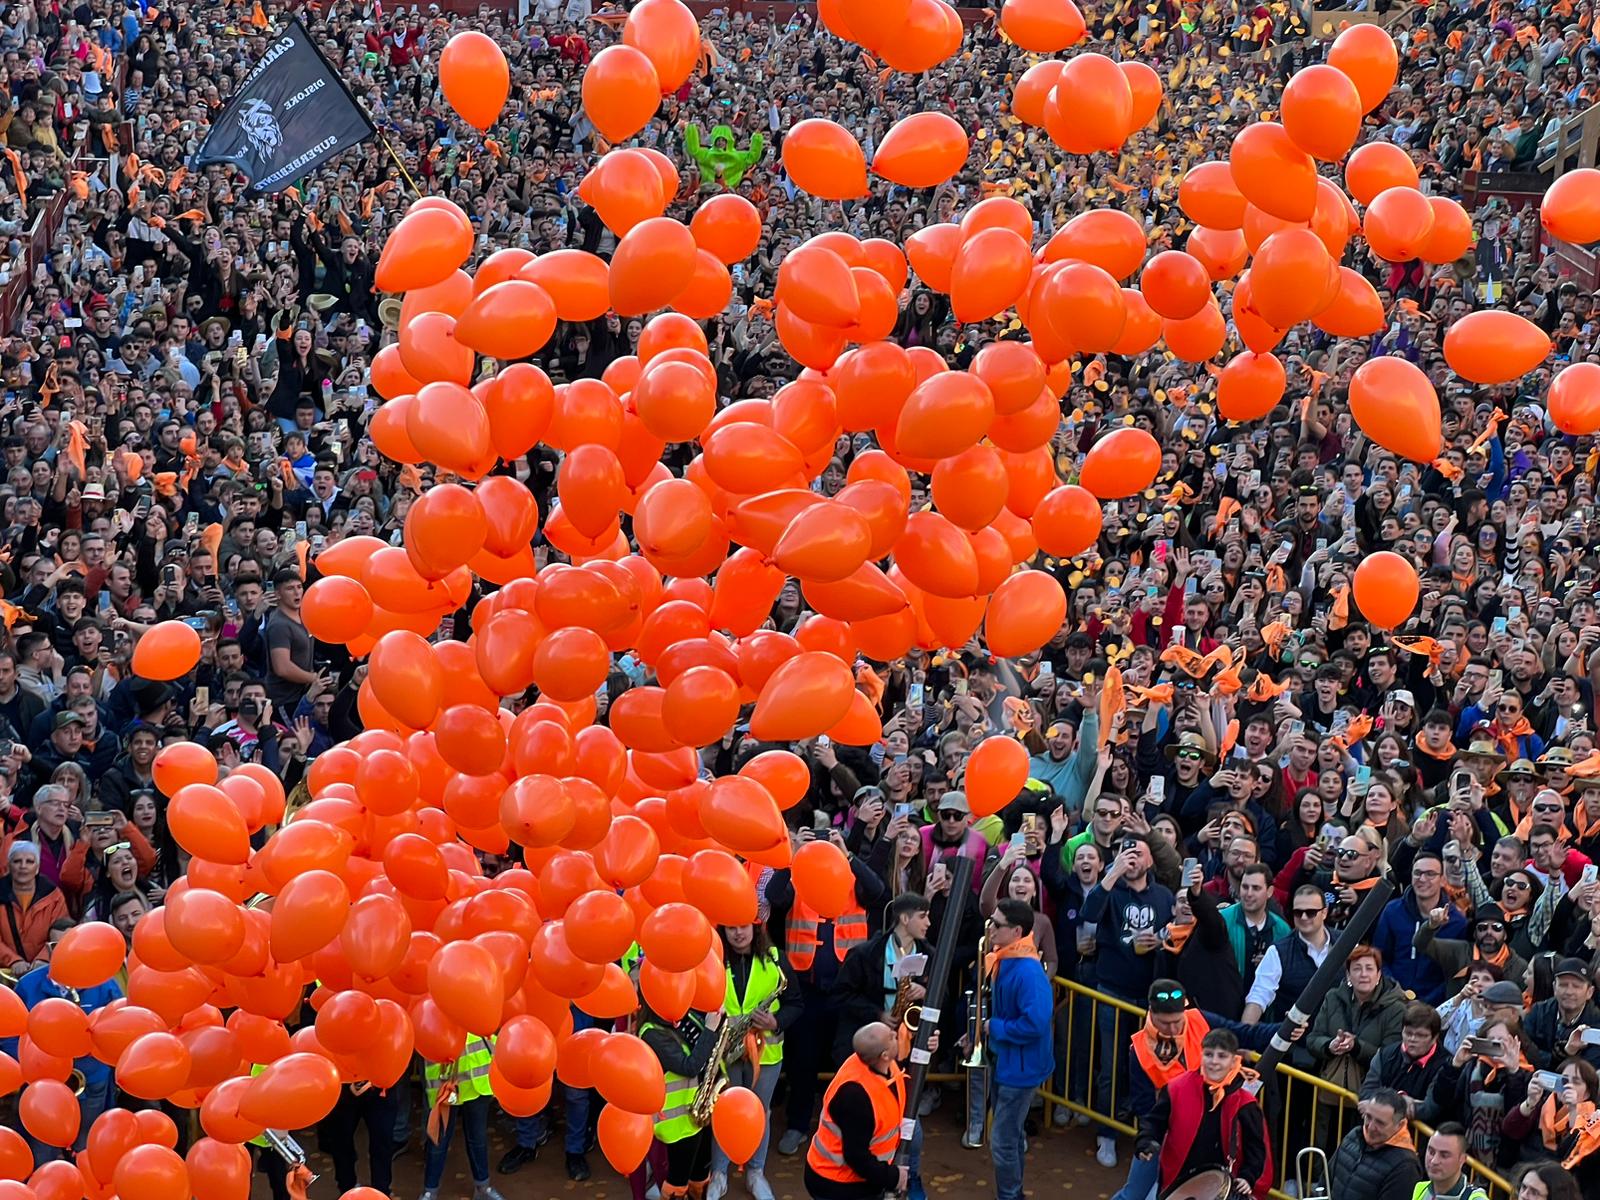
(1332, 1115)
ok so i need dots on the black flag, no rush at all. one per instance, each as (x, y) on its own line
(290, 115)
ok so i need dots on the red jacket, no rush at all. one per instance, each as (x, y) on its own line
(1187, 1096)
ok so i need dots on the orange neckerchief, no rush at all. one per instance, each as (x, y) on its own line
(1499, 959)
(1438, 755)
(1178, 935)
(1554, 1120)
(1588, 1140)
(1507, 738)
(1023, 947)
(1525, 827)
(1494, 1065)
(1219, 1090)
(1339, 610)
(438, 1115)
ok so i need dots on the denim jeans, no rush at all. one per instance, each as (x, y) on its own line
(576, 1139)
(766, 1083)
(1143, 1176)
(1006, 1138)
(1111, 1074)
(473, 1117)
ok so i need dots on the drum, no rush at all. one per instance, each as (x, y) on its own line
(1209, 1183)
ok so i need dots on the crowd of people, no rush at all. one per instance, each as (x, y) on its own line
(184, 431)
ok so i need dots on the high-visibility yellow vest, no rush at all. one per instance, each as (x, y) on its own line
(764, 976)
(673, 1122)
(471, 1073)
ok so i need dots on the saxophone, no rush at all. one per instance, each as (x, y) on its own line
(732, 1036)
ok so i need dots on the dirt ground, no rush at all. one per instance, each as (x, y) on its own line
(1059, 1161)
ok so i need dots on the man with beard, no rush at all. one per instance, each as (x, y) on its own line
(1455, 956)
(1403, 916)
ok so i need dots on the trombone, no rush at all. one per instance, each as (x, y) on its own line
(975, 1064)
(288, 1149)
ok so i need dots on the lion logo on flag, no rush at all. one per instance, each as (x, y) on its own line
(260, 128)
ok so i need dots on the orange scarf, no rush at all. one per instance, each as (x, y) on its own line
(1237, 1071)
(1494, 1065)
(1402, 1138)
(1444, 755)
(1023, 947)
(1178, 936)
(1478, 956)
(1555, 1120)
(1507, 738)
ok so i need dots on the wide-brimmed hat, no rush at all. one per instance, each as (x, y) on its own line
(321, 301)
(1522, 769)
(389, 312)
(1483, 747)
(1557, 758)
(215, 323)
(1191, 741)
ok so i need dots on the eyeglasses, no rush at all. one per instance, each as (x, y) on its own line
(997, 924)
(1494, 926)
(951, 814)
(1424, 874)
(1516, 883)
(1108, 812)
(1345, 855)
(1307, 912)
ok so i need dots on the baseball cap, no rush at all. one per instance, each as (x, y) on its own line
(1401, 696)
(63, 719)
(956, 800)
(1572, 966)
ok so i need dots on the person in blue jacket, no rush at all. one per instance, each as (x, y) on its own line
(1018, 1036)
(99, 1086)
(1395, 933)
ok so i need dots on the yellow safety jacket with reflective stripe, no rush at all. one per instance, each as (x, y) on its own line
(673, 1122)
(471, 1073)
(762, 982)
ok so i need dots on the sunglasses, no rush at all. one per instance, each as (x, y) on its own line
(951, 814)
(994, 924)
(1517, 883)
(1108, 812)
(1189, 755)
(1346, 855)
(1308, 912)
(1174, 994)
(1496, 926)
(1550, 808)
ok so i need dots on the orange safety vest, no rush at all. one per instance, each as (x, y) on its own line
(800, 939)
(1161, 1073)
(888, 1096)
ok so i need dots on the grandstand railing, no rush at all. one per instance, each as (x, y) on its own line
(1333, 1110)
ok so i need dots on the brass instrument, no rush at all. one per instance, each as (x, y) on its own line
(75, 1082)
(905, 1011)
(288, 1149)
(8, 978)
(730, 1049)
(975, 1011)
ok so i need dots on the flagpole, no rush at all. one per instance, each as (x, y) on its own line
(396, 158)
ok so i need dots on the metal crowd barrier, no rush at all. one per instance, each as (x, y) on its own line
(1332, 1113)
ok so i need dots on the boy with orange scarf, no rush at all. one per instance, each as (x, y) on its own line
(1209, 1117)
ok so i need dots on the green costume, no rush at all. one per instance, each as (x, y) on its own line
(722, 160)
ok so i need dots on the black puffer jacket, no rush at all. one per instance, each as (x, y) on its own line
(1360, 1172)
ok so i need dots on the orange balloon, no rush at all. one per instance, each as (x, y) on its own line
(1451, 235)
(1120, 464)
(1573, 401)
(810, 692)
(336, 609)
(1250, 386)
(219, 1171)
(627, 1074)
(1106, 237)
(996, 772)
(945, 415)
(1356, 310)
(937, 557)
(1091, 106)
(1272, 172)
(87, 955)
(1570, 209)
(729, 226)
(424, 249)
(406, 678)
(1376, 167)
(651, 264)
(676, 937)
(932, 252)
(1385, 587)
(513, 319)
(739, 1119)
(990, 273)
(151, 1172)
(1067, 521)
(1084, 302)
(166, 651)
(970, 488)
(389, 375)
(468, 986)
(822, 158)
(1396, 406)
(1289, 277)
(1398, 224)
(208, 824)
(621, 92)
(1043, 26)
(924, 149)
(1025, 612)
(577, 281)
(1367, 54)
(823, 879)
(1209, 196)
(817, 286)
(1222, 252)
(1493, 347)
(1321, 111)
(1145, 86)
(475, 78)
(1175, 285)
(667, 33)
(1032, 91)
(624, 1137)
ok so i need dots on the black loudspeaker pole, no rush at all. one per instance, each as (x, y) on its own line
(944, 952)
